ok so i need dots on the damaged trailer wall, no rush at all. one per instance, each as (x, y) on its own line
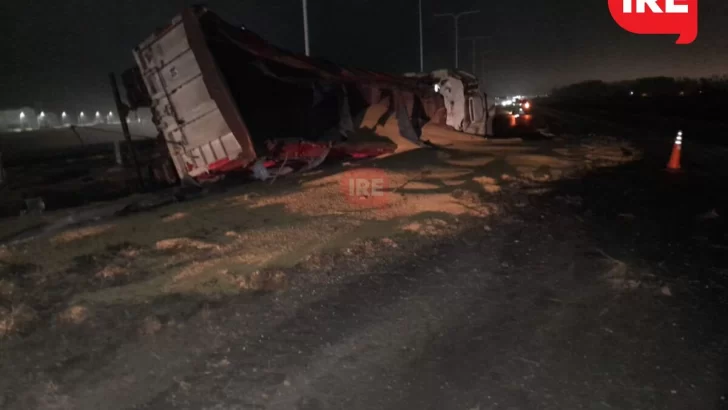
(221, 93)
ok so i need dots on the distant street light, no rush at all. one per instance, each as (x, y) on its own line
(456, 19)
(22, 119)
(64, 115)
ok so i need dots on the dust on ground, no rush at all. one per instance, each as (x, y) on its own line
(126, 280)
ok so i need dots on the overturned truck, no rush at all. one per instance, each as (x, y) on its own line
(224, 99)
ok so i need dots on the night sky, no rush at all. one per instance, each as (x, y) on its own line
(55, 54)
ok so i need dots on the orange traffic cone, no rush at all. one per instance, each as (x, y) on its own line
(674, 164)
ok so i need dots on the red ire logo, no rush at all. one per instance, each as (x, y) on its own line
(365, 187)
(658, 17)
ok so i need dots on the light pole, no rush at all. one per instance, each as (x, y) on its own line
(483, 55)
(422, 46)
(305, 27)
(456, 19)
(474, 39)
(22, 119)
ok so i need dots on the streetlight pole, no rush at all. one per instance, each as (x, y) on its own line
(305, 27)
(422, 47)
(456, 19)
(483, 65)
(474, 40)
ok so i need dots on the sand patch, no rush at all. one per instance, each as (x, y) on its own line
(177, 216)
(81, 233)
(184, 243)
(490, 185)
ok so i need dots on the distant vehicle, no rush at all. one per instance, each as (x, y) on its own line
(518, 106)
(512, 115)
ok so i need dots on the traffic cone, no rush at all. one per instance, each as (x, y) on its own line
(674, 164)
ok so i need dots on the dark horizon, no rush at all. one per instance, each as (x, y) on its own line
(57, 55)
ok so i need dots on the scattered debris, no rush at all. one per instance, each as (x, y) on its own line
(316, 162)
(112, 272)
(18, 319)
(181, 243)
(545, 133)
(129, 253)
(221, 364)
(74, 315)
(260, 172)
(175, 217)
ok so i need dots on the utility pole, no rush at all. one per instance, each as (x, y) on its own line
(474, 39)
(483, 55)
(305, 27)
(456, 19)
(422, 47)
(482, 65)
